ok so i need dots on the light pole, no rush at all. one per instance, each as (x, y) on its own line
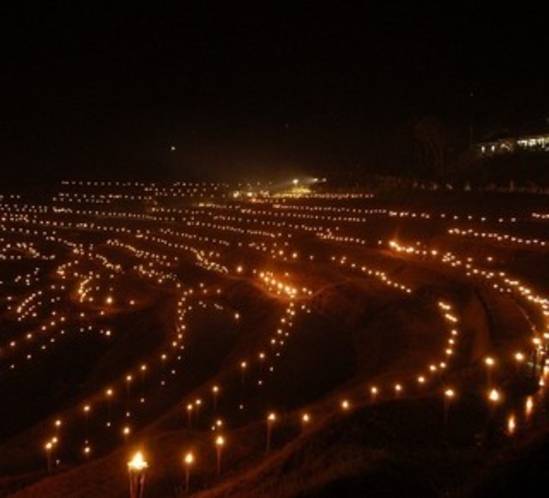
(190, 414)
(137, 471)
(49, 448)
(189, 460)
(305, 420)
(529, 407)
(511, 425)
(449, 394)
(537, 347)
(109, 393)
(126, 430)
(494, 397)
(243, 366)
(489, 362)
(519, 358)
(219, 443)
(270, 421)
(143, 370)
(86, 411)
(215, 392)
(217, 425)
(198, 404)
(86, 451)
(129, 379)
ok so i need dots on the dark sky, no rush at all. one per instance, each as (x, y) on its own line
(91, 89)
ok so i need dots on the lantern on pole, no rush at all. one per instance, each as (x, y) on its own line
(137, 472)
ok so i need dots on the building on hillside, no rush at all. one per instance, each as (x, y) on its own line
(508, 144)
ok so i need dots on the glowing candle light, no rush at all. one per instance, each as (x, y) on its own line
(529, 406)
(49, 449)
(190, 414)
(198, 404)
(489, 362)
(271, 418)
(243, 366)
(137, 467)
(219, 444)
(449, 394)
(215, 391)
(188, 461)
(494, 397)
(126, 432)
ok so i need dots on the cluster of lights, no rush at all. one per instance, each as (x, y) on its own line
(150, 233)
(497, 237)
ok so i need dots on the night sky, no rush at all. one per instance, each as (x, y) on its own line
(108, 90)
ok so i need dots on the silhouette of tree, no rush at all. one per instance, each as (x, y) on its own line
(432, 140)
